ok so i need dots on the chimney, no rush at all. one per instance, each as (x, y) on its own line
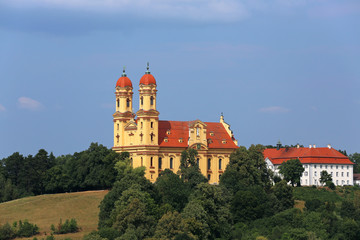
(329, 146)
(314, 146)
(310, 146)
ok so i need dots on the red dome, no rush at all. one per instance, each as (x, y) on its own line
(147, 79)
(124, 82)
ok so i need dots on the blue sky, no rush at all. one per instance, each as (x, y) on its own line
(279, 70)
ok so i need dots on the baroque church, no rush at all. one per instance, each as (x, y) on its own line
(157, 144)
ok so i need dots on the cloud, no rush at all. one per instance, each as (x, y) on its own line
(274, 109)
(2, 108)
(200, 10)
(30, 104)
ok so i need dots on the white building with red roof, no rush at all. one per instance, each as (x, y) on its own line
(314, 160)
(157, 144)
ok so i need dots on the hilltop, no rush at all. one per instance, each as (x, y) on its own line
(45, 210)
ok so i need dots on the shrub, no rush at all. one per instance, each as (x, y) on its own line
(7, 232)
(69, 226)
(313, 204)
(26, 229)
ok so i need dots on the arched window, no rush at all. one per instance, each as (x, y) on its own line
(198, 161)
(220, 164)
(209, 164)
(127, 102)
(151, 100)
(151, 161)
(141, 124)
(152, 136)
(160, 163)
(197, 131)
(141, 100)
(151, 124)
(118, 102)
(171, 163)
(142, 163)
(209, 176)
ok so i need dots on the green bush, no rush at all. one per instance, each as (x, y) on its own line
(26, 229)
(69, 226)
(7, 232)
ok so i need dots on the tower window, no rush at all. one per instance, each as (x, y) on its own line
(151, 161)
(151, 100)
(209, 177)
(118, 102)
(197, 131)
(117, 126)
(141, 124)
(198, 161)
(151, 124)
(152, 136)
(127, 102)
(160, 163)
(220, 164)
(209, 164)
(141, 100)
(142, 163)
(171, 163)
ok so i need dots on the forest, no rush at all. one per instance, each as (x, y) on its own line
(248, 203)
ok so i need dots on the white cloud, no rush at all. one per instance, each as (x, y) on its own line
(202, 10)
(274, 109)
(2, 108)
(30, 104)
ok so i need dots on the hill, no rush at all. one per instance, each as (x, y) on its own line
(45, 210)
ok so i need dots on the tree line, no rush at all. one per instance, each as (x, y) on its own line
(91, 169)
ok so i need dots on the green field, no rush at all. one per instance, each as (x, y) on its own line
(47, 209)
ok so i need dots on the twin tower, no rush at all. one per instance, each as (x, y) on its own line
(125, 124)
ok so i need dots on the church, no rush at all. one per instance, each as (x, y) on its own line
(157, 144)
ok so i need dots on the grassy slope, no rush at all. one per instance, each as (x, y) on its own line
(45, 210)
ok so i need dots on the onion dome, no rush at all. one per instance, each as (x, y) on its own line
(123, 81)
(147, 79)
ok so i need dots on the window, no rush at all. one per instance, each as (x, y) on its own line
(209, 164)
(331, 166)
(347, 182)
(347, 174)
(152, 136)
(118, 102)
(337, 166)
(220, 164)
(219, 176)
(337, 174)
(320, 166)
(331, 173)
(342, 167)
(198, 161)
(151, 161)
(141, 100)
(151, 100)
(117, 126)
(127, 102)
(337, 182)
(305, 173)
(171, 163)
(315, 166)
(151, 124)
(142, 163)
(342, 174)
(197, 132)
(325, 166)
(160, 163)
(347, 167)
(209, 176)
(315, 174)
(131, 160)
(141, 124)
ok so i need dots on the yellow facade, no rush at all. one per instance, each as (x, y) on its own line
(157, 145)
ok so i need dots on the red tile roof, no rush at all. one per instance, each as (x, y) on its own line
(147, 79)
(123, 82)
(306, 155)
(180, 129)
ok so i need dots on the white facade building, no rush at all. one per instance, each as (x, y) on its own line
(314, 160)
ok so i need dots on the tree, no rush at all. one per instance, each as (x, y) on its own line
(246, 168)
(189, 170)
(325, 178)
(355, 158)
(172, 189)
(284, 196)
(292, 171)
(170, 225)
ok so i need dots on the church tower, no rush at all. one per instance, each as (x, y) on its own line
(148, 116)
(124, 113)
